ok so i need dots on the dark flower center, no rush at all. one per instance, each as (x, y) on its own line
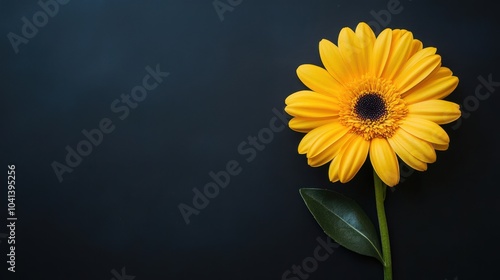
(370, 106)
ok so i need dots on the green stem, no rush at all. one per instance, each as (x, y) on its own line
(380, 189)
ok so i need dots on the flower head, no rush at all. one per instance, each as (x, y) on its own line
(377, 96)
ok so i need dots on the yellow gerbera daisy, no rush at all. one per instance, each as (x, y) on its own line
(378, 96)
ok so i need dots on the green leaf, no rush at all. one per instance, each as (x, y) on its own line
(343, 220)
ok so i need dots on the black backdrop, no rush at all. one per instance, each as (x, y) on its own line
(116, 214)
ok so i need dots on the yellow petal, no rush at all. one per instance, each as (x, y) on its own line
(431, 89)
(400, 50)
(416, 147)
(441, 147)
(313, 135)
(305, 95)
(333, 62)
(317, 79)
(396, 34)
(425, 130)
(333, 170)
(365, 35)
(441, 73)
(329, 153)
(438, 111)
(352, 158)
(310, 104)
(350, 48)
(384, 161)
(416, 46)
(367, 40)
(405, 156)
(419, 56)
(413, 75)
(327, 139)
(381, 50)
(305, 125)
(414, 59)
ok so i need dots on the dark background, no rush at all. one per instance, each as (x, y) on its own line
(119, 207)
